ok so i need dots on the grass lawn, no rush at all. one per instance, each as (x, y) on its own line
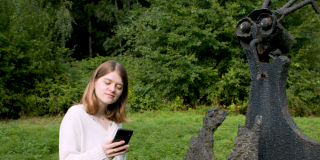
(157, 135)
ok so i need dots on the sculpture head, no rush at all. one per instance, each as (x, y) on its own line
(262, 33)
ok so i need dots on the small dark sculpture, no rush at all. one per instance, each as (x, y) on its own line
(263, 37)
(247, 142)
(201, 148)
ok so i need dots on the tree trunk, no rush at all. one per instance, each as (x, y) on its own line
(117, 19)
(90, 47)
(128, 4)
(120, 44)
(116, 4)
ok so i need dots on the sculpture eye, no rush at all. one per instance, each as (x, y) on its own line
(245, 27)
(266, 23)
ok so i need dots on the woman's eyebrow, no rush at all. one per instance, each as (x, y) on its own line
(112, 81)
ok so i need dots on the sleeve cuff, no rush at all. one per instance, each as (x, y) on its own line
(97, 153)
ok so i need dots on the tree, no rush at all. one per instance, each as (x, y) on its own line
(190, 51)
(95, 22)
(32, 39)
(188, 44)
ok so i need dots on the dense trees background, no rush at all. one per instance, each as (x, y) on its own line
(180, 54)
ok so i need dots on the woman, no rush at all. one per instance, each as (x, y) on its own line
(88, 128)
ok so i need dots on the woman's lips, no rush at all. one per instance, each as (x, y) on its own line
(110, 95)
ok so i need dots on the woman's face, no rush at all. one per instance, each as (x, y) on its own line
(108, 88)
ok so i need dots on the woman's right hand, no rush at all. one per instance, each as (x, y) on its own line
(111, 149)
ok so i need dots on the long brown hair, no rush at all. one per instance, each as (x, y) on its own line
(115, 111)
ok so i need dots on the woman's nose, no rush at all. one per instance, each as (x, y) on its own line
(112, 87)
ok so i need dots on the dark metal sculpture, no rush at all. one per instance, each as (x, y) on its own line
(201, 148)
(247, 142)
(263, 37)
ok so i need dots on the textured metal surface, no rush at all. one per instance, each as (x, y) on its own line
(201, 148)
(265, 40)
(247, 142)
(280, 137)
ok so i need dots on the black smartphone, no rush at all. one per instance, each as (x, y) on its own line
(123, 134)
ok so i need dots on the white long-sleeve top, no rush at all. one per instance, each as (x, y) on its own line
(81, 136)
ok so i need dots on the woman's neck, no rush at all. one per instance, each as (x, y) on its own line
(102, 110)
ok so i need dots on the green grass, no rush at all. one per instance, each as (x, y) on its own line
(30, 138)
(166, 135)
(157, 135)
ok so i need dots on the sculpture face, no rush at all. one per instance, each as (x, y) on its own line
(262, 34)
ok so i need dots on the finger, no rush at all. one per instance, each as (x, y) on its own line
(106, 144)
(119, 149)
(112, 152)
(122, 149)
(117, 153)
(112, 145)
(116, 144)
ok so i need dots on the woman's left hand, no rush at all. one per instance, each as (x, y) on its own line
(112, 149)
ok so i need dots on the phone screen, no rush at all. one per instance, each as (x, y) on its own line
(123, 134)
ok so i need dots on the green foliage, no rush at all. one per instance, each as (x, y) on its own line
(191, 53)
(95, 22)
(157, 135)
(29, 50)
(303, 85)
(177, 105)
(55, 94)
(179, 54)
(63, 24)
(186, 48)
(233, 87)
